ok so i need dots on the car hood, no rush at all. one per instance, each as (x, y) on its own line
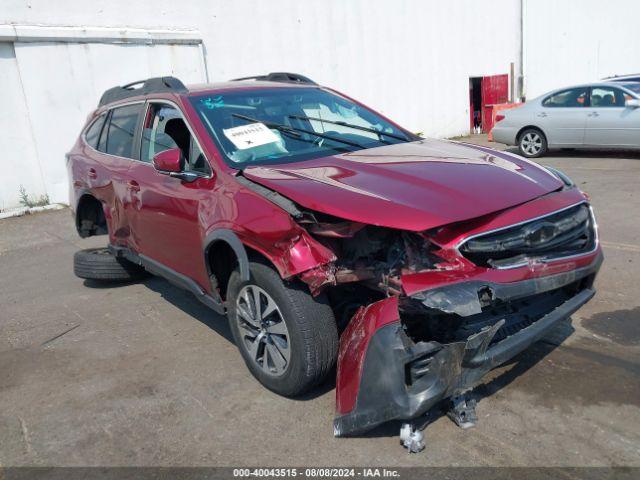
(410, 186)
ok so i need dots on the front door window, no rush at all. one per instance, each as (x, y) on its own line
(607, 97)
(164, 128)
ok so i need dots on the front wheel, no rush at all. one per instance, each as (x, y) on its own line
(287, 338)
(532, 143)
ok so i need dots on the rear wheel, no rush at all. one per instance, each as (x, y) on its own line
(287, 338)
(101, 264)
(532, 143)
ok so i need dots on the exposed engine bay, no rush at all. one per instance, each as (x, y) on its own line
(376, 256)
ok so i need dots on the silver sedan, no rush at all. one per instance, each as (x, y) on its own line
(605, 114)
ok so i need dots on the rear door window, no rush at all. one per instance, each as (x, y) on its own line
(122, 130)
(93, 132)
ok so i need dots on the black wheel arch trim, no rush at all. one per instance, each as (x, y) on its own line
(230, 238)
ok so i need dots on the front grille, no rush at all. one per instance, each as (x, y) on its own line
(568, 232)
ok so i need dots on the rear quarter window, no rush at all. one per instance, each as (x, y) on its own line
(92, 134)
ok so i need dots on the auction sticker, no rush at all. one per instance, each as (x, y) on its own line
(249, 136)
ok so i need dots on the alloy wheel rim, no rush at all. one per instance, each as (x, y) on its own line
(264, 334)
(531, 143)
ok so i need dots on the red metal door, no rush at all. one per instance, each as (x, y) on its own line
(495, 90)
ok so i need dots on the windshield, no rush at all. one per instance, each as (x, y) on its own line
(280, 125)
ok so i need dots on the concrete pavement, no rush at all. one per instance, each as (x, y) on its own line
(143, 374)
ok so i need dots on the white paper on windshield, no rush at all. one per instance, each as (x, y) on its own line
(249, 136)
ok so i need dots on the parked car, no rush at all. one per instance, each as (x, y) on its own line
(326, 232)
(623, 78)
(605, 114)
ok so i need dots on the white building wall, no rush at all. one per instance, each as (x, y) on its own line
(569, 42)
(18, 156)
(47, 89)
(411, 59)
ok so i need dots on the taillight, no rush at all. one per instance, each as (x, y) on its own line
(499, 117)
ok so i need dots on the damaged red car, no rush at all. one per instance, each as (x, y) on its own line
(330, 235)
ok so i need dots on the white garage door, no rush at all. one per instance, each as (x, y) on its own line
(47, 89)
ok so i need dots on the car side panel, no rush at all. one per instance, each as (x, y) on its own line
(506, 131)
(264, 227)
(563, 126)
(166, 217)
(101, 176)
(119, 196)
(613, 127)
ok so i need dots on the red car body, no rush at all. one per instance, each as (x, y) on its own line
(447, 192)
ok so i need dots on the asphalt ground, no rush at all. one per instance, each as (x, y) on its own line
(143, 374)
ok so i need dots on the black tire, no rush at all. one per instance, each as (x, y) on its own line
(101, 264)
(311, 328)
(532, 143)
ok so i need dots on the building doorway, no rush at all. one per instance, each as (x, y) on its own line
(484, 92)
(475, 103)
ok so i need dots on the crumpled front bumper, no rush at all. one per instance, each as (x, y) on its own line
(376, 355)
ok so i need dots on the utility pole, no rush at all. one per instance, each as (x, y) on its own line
(523, 50)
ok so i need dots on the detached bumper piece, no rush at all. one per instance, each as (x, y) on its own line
(389, 368)
(463, 412)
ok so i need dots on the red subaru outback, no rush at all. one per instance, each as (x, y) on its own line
(327, 233)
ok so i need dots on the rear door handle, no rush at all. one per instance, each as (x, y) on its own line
(542, 114)
(92, 173)
(594, 114)
(133, 186)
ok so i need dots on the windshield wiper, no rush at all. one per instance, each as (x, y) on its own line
(277, 126)
(294, 130)
(355, 127)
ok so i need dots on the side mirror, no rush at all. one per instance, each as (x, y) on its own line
(632, 103)
(170, 162)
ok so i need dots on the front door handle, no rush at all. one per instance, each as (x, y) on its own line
(133, 186)
(92, 173)
(594, 114)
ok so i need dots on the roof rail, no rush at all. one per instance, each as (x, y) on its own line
(150, 85)
(283, 77)
(623, 75)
